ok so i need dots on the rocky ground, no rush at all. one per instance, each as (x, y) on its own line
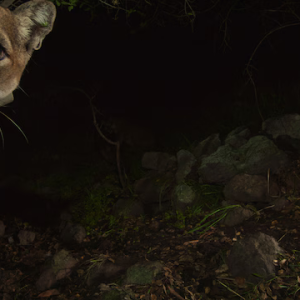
(191, 265)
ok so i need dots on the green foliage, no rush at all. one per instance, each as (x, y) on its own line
(70, 4)
(94, 210)
(218, 214)
(86, 5)
(179, 218)
(91, 202)
(209, 196)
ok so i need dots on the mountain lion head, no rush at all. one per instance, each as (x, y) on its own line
(21, 32)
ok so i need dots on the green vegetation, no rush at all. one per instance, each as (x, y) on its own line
(93, 202)
(94, 211)
(218, 214)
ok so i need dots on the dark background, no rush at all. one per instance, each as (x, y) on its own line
(172, 83)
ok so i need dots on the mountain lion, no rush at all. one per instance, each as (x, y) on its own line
(21, 32)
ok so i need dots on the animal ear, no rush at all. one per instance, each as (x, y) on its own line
(35, 20)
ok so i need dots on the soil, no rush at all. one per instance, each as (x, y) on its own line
(192, 261)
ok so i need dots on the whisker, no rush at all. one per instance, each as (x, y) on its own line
(22, 91)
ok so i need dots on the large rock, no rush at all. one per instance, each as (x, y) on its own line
(254, 255)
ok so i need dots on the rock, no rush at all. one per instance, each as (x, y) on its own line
(128, 208)
(73, 233)
(26, 237)
(288, 124)
(245, 188)
(254, 255)
(207, 147)
(143, 273)
(186, 161)
(237, 216)
(158, 161)
(184, 196)
(238, 137)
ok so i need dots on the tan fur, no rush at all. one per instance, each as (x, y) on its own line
(21, 32)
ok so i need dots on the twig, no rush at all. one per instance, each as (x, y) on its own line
(117, 144)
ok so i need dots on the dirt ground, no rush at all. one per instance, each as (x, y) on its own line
(192, 262)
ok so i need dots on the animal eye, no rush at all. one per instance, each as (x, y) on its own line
(2, 53)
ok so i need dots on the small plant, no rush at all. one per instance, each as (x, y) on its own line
(93, 208)
(71, 4)
(96, 262)
(180, 219)
(220, 214)
(94, 211)
(209, 196)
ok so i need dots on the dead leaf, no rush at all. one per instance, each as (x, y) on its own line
(48, 293)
